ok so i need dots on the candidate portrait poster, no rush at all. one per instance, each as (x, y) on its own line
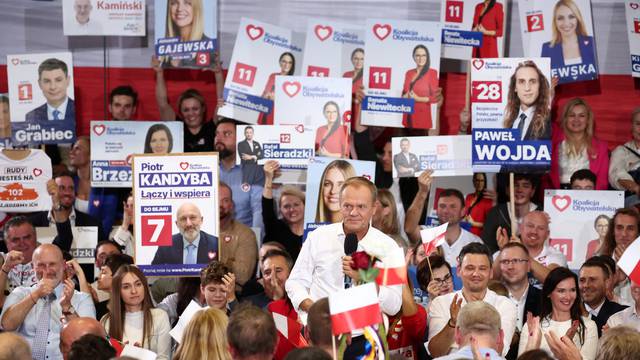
(5, 122)
(176, 203)
(41, 98)
(401, 73)
(23, 181)
(588, 212)
(83, 244)
(261, 52)
(113, 144)
(510, 114)
(186, 33)
(322, 104)
(562, 31)
(290, 145)
(632, 12)
(472, 30)
(445, 155)
(104, 17)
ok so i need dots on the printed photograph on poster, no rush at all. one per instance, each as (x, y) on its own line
(322, 104)
(632, 12)
(561, 30)
(5, 122)
(176, 212)
(290, 145)
(23, 181)
(261, 52)
(83, 245)
(186, 33)
(104, 17)
(445, 155)
(473, 28)
(511, 114)
(41, 98)
(401, 75)
(325, 176)
(589, 212)
(113, 144)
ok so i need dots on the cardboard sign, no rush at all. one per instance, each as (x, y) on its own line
(83, 246)
(632, 12)
(23, 182)
(290, 145)
(104, 17)
(445, 155)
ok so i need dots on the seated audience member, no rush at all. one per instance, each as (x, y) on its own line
(478, 203)
(255, 285)
(217, 284)
(593, 278)
(238, 248)
(205, 337)
(35, 311)
(123, 234)
(561, 310)
(91, 347)
(308, 353)
(14, 347)
(188, 290)
(619, 343)
(583, 179)
(474, 268)
(289, 230)
(276, 267)
(576, 147)
(631, 315)
(408, 328)
(108, 269)
(103, 250)
(318, 330)
(386, 217)
(132, 317)
(123, 102)
(77, 328)
(17, 268)
(624, 165)
(251, 334)
(440, 284)
(479, 324)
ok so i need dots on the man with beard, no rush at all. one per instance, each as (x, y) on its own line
(191, 245)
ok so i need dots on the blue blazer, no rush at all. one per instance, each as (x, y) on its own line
(173, 254)
(587, 53)
(40, 113)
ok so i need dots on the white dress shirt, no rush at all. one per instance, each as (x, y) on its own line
(622, 160)
(452, 251)
(527, 121)
(627, 317)
(549, 255)
(587, 348)
(62, 108)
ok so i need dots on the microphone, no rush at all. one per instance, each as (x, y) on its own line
(350, 246)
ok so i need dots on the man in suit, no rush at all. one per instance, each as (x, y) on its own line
(190, 246)
(250, 150)
(528, 110)
(406, 163)
(53, 80)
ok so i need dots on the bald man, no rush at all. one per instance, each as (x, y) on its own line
(14, 347)
(75, 329)
(191, 245)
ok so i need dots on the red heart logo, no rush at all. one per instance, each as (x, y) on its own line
(254, 32)
(323, 32)
(98, 129)
(37, 172)
(184, 165)
(15, 61)
(291, 88)
(478, 63)
(129, 159)
(300, 128)
(381, 31)
(346, 117)
(561, 202)
(634, 6)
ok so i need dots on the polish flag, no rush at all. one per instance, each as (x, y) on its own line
(290, 329)
(393, 271)
(433, 237)
(354, 308)
(630, 261)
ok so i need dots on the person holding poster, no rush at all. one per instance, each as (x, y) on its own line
(333, 176)
(421, 85)
(158, 140)
(488, 18)
(287, 67)
(53, 80)
(332, 139)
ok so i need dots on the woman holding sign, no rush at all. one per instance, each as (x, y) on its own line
(287, 68)
(488, 18)
(333, 176)
(332, 139)
(421, 85)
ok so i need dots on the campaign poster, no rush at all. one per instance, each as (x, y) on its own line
(333, 49)
(23, 181)
(511, 115)
(632, 12)
(588, 212)
(83, 245)
(462, 183)
(104, 17)
(325, 176)
(186, 33)
(290, 145)
(41, 98)
(5, 122)
(445, 155)
(401, 73)
(262, 51)
(471, 29)
(113, 144)
(176, 212)
(563, 32)
(321, 104)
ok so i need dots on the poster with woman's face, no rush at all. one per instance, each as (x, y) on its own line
(561, 30)
(5, 121)
(632, 12)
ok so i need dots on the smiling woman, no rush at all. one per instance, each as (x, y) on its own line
(333, 176)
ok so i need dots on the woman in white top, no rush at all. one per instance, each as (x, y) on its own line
(562, 310)
(132, 318)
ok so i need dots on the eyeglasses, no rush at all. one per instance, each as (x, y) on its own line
(444, 280)
(513, 261)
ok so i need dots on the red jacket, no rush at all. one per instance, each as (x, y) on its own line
(598, 164)
(406, 334)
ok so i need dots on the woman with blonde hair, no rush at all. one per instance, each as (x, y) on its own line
(333, 176)
(185, 20)
(386, 217)
(205, 337)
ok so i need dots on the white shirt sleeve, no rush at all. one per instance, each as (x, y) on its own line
(161, 329)
(508, 319)
(618, 167)
(590, 346)
(438, 314)
(299, 281)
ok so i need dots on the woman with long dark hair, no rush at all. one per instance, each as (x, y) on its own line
(332, 139)
(421, 85)
(488, 18)
(287, 64)
(159, 140)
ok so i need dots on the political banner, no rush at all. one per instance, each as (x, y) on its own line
(445, 155)
(41, 98)
(83, 246)
(104, 17)
(176, 212)
(462, 183)
(113, 144)
(588, 212)
(23, 181)
(261, 52)
(563, 32)
(290, 145)
(186, 33)
(322, 104)
(632, 12)
(5, 122)
(511, 115)
(471, 29)
(401, 73)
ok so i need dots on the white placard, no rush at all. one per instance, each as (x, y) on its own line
(139, 353)
(83, 246)
(290, 145)
(189, 312)
(445, 155)
(632, 12)
(23, 182)
(104, 17)
(329, 49)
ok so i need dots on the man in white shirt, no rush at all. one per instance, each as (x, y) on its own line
(625, 162)
(630, 316)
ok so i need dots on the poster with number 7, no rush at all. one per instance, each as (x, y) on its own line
(175, 212)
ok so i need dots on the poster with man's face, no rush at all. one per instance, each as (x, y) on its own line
(104, 17)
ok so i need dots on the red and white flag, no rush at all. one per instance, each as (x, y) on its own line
(630, 261)
(393, 271)
(433, 237)
(354, 308)
(290, 329)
